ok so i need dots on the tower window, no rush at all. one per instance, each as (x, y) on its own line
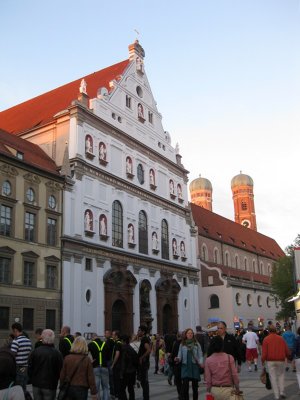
(244, 206)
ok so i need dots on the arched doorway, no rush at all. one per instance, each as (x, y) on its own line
(119, 288)
(167, 291)
(167, 319)
(118, 313)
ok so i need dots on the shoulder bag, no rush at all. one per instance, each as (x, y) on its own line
(235, 394)
(64, 387)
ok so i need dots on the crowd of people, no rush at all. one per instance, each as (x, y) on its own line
(113, 366)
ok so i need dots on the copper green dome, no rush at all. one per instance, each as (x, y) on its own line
(200, 184)
(241, 180)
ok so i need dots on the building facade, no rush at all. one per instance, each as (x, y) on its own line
(128, 249)
(30, 230)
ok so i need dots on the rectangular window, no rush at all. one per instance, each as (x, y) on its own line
(4, 269)
(5, 220)
(184, 281)
(28, 318)
(50, 319)
(88, 264)
(29, 226)
(51, 231)
(51, 278)
(29, 273)
(128, 101)
(4, 317)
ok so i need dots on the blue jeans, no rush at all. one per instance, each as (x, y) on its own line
(102, 379)
(21, 377)
(43, 394)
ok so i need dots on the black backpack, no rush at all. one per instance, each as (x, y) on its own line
(131, 360)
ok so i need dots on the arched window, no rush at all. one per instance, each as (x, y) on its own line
(261, 268)
(236, 261)
(253, 266)
(249, 300)
(216, 256)
(227, 260)
(214, 301)
(204, 252)
(245, 264)
(244, 206)
(238, 299)
(117, 224)
(164, 240)
(143, 233)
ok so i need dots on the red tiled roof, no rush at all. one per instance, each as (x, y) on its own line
(32, 154)
(41, 109)
(221, 229)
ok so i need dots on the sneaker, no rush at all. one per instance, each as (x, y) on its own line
(255, 367)
(249, 369)
(294, 370)
(287, 368)
(283, 396)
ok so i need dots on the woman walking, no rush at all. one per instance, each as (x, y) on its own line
(78, 366)
(220, 371)
(191, 358)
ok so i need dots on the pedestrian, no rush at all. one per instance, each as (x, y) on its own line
(66, 340)
(135, 344)
(296, 356)
(191, 357)
(21, 346)
(170, 339)
(44, 366)
(100, 354)
(128, 370)
(220, 371)
(8, 371)
(230, 344)
(202, 338)
(274, 353)
(144, 362)
(116, 363)
(252, 341)
(38, 336)
(289, 338)
(110, 345)
(177, 364)
(83, 379)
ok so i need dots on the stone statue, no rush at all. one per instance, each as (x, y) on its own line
(82, 88)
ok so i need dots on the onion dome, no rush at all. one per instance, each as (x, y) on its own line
(241, 180)
(200, 184)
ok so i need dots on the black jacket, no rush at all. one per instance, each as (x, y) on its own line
(44, 365)
(7, 368)
(64, 345)
(231, 346)
(94, 351)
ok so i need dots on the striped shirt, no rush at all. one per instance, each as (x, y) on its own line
(21, 345)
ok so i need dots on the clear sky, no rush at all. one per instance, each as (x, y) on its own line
(225, 75)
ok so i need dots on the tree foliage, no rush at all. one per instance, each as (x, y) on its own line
(283, 282)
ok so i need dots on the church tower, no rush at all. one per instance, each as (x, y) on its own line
(201, 193)
(243, 200)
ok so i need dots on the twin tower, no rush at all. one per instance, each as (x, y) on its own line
(242, 194)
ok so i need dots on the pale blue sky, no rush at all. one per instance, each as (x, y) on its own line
(224, 73)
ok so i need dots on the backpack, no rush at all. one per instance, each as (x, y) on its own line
(131, 360)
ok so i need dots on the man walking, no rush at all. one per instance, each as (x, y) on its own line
(144, 363)
(100, 354)
(44, 365)
(274, 353)
(252, 341)
(230, 344)
(66, 340)
(21, 346)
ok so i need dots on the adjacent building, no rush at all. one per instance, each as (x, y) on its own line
(30, 231)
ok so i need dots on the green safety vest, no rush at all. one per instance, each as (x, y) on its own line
(100, 351)
(68, 340)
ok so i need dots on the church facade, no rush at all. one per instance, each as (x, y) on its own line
(128, 249)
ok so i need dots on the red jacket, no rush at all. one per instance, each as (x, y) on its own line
(274, 348)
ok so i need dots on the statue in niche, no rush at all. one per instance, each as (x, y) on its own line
(145, 299)
(88, 144)
(128, 165)
(182, 249)
(88, 220)
(102, 151)
(171, 184)
(83, 85)
(139, 64)
(103, 225)
(140, 111)
(130, 233)
(174, 247)
(179, 191)
(154, 241)
(152, 177)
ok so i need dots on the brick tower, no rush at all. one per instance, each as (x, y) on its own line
(201, 193)
(243, 200)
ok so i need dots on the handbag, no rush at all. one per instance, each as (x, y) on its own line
(265, 379)
(64, 387)
(235, 394)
